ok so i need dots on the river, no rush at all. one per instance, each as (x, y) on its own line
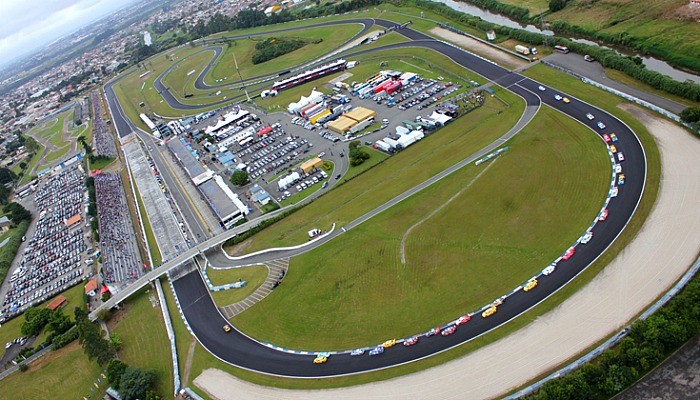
(651, 63)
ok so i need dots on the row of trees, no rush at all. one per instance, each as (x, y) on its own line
(648, 343)
(20, 217)
(274, 47)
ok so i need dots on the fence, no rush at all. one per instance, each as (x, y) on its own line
(4, 374)
(624, 95)
(613, 340)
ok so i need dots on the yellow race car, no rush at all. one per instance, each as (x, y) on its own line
(530, 285)
(227, 328)
(321, 358)
(389, 343)
(489, 311)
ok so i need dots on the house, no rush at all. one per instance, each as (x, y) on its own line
(5, 224)
(57, 303)
(91, 287)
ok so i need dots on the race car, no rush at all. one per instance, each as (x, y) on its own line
(462, 320)
(433, 332)
(227, 328)
(603, 215)
(489, 312)
(541, 88)
(614, 191)
(601, 125)
(618, 168)
(449, 330)
(530, 285)
(566, 100)
(620, 157)
(321, 358)
(376, 351)
(557, 97)
(499, 301)
(410, 341)
(606, 137)
(389, 343)
(569, 252)
(614, 137)
(613, 149)
(590, 116)
(549, 269)
(587, 237)
(621, 179)
(357, 352)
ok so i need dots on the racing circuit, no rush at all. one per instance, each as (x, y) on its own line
(242, 351)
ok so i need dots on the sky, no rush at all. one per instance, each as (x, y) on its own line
(27, 25)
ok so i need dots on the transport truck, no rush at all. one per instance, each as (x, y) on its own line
(522, 49)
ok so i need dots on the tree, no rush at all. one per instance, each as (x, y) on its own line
(7, 176)
(91, 338)
(35, 320)
(556, 5)
(58, 322)
(690, 114)
(239, 178)
(134, 383)
(17, 213)
(115, 370)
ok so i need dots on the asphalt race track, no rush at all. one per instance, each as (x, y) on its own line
(242, 351)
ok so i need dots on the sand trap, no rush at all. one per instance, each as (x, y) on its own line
(493, 54)
(659, 255)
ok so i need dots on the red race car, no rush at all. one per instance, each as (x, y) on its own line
(603, 215)
(433, 332)
(570, 252)
(462, 320)
(449, 330)
(410, 341)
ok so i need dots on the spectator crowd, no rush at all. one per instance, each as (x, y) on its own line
(104, 142)
(51, 261)
(120, 255)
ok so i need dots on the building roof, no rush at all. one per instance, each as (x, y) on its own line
(308, 165)
(91, 286)
(59, 301)
(73, 220)
(360, 114)
(186, 158)
(4, 220)
(342, 124)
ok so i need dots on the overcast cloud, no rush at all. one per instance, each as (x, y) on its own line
(26, 25)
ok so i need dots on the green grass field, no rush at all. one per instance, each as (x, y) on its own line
(144, 340)
(64, 374)
(375, 158)
(521, 214)
(254, 275)
(665, 23)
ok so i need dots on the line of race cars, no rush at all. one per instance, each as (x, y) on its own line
(618, 180)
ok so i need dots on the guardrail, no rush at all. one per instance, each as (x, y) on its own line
(4, 374)
(622, 94)
(613, 340)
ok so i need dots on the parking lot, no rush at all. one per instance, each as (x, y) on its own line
(54, 258)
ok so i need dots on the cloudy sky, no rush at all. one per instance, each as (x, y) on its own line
(26, 25)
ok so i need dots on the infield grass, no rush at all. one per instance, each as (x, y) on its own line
(64, 374)
(145, 341)
(254, 275)
(523, 212)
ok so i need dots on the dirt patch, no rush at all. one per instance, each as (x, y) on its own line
(238, 249)
(52, 355)
(482, 49)
(118, 316)
(688, 12)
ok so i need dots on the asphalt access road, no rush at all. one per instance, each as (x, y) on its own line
(240, 350)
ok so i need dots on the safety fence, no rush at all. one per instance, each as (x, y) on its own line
(613, 340)
(171, 336)
(624, 95)
(218, 288)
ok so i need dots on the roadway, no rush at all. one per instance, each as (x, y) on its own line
(238, 349)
